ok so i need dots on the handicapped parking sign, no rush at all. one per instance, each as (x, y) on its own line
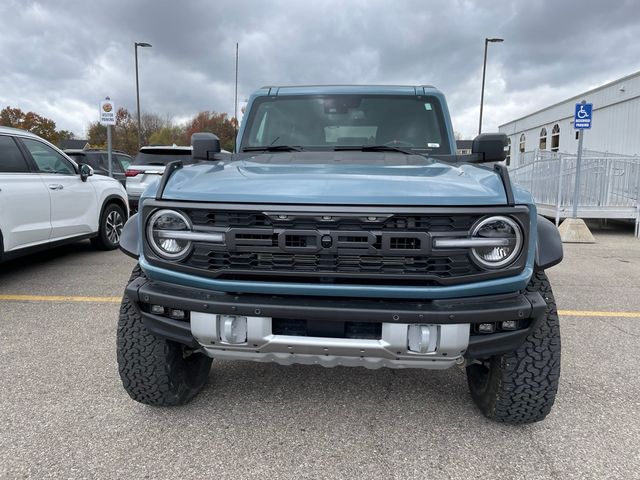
(582, 116)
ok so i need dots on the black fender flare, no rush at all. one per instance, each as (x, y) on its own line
(130, 237)
(113, 199)
(548, 245)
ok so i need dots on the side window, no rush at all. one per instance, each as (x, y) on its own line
(78, 157)
(11, 159)
(543, 139)
(102, 161)
(124, 161)
(114, 159)
(47, 159)
(555, 138)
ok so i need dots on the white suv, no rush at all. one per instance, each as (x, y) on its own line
(148, 166)
(46, 199)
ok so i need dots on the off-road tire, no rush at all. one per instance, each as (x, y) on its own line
(155, 371)
(112, 222)
(520, 387)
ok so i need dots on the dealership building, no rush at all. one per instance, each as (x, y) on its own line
(615, 127)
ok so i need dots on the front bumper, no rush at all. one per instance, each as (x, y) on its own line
(454, 319)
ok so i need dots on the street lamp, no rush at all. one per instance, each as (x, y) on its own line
(136, 45)
(484, 69)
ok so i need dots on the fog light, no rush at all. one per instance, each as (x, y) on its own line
(176, 314)
(233, 329)
(486, 328)
(422, 338)
(157, 309)
(509, 325)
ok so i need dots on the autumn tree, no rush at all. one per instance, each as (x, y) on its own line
(124, 134)
(11, 117)
(151, 123)
(65, 135)
(31, 121)
(217, 123)
(97, 135)
(168, 136)
(157, 130)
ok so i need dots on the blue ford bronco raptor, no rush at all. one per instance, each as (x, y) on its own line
(343, 230)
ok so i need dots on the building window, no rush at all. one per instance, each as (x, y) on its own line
(543, 139)
(555, 138)
(522, 139)
(508, 159)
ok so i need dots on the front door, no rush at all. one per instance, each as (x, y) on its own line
(74, 208)
(24, 200)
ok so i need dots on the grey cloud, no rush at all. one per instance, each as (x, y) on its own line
(59, 57)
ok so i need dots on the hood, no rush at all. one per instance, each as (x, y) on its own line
(344, 178)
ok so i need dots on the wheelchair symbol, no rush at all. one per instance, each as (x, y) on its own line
(581, 113)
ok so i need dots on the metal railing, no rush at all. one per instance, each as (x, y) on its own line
(609, 184)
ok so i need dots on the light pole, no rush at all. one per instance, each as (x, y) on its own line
(484, 70)
(136, 45)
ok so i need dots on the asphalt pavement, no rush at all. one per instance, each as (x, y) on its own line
(64, 413)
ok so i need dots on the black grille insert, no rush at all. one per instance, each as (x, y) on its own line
(240, 219)
(324, 329)
(443, 266)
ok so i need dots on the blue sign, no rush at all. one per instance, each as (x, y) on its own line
(582, 116)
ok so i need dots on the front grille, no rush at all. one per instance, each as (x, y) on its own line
(340, 246)
(241, 219)
(329, 248)
(227, 218)
(447, 266)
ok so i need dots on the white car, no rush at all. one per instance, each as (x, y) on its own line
(148, 166)
(47, 199)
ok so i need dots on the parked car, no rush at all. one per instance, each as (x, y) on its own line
(47, 199)
(148, 166)
(98, 159)
(345, 231)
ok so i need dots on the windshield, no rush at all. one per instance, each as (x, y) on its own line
(328, 122)
(159, 156)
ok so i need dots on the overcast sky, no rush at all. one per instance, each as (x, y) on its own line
(59, 58)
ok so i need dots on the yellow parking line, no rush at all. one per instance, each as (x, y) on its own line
(59, 298)
(590, 313)
(79, 299)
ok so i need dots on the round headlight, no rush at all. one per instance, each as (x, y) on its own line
(497, 228)
(163, 234)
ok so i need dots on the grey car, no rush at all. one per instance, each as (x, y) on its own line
(99, 161)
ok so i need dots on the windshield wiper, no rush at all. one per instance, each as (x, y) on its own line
(375, 148)
(273, 148)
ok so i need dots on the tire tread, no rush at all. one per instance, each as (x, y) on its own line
(523, 384)
(153, 370)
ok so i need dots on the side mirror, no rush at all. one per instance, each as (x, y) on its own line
(205, 145)
(85, 172)
(490, 147)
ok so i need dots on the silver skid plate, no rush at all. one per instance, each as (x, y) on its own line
(389, 351)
